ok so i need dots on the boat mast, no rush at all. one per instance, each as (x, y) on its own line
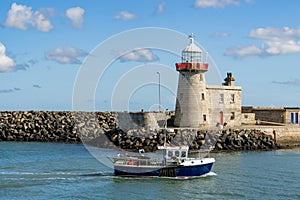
(166, 125)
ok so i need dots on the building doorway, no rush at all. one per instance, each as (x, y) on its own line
(221, 118)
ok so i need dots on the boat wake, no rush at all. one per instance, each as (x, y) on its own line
(209, 174)
(51, 175)
(98, 174)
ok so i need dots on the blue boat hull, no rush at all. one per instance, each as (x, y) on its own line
(179, 171)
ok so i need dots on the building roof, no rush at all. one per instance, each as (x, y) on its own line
(191, 47)
(292, 108)
(271, 108)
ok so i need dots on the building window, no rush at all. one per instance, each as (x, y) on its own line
(294, 118)
(232, 116)
(221, 98)
(246, 116)
(201, 78)
(204, 118)
(231, 98)
(202, 96)
(180, 96)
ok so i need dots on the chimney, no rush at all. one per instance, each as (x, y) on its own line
(229, 80)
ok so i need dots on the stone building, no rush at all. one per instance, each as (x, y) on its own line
(208, 107)
(203, 106)
(279, 115)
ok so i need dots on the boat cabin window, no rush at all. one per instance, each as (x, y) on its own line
(176, 153)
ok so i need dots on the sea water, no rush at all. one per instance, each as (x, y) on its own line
(68, 171)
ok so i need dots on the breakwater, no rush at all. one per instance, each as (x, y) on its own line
(102, 129)
(226, 140)
(44, 126)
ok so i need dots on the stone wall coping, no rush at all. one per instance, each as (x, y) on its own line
(223, 87)
(264, 108)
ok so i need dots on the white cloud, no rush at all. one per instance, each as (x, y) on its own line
(125, 15)
(274, 41)
(6, 90)
(19, 16)
(160, 8)
(240, 51)
(214, 3)
(23, 66)
(42, 23)
(67, 55)
(294, 82)
(275, 33)
(36, 86)
(140, 55)
(76, 16)
(10, 90)
(219, 35)
(282, 47)
(6, 63)
(49, 12)
(22, 17)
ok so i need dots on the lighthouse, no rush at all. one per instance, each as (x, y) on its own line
(192, 99)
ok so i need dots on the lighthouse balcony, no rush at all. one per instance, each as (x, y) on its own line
(194, 66)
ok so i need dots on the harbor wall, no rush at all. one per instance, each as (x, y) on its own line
(103, 129)
(285, 135)
(136, 120)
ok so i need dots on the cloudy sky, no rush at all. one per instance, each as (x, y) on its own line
(45, 44)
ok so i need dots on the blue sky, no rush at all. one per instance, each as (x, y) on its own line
(45, 44)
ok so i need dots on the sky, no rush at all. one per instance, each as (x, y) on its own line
(54, 54)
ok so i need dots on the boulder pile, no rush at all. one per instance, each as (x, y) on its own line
(244, 140)
(132, 140)
(226, 140)
(101, 129)
(44, 126)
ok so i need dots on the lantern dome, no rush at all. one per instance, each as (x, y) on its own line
(191, 53)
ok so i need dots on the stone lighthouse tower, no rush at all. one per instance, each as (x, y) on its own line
(192, 100)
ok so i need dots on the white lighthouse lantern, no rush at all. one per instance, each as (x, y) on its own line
(191, 53)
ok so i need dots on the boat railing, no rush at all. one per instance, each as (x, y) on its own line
(137, 161)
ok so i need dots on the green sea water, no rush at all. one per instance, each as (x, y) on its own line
(68, 171)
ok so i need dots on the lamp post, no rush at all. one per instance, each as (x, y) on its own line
(159, 100)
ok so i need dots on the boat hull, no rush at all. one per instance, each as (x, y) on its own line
(177, 171)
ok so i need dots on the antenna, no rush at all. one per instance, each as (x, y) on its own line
(191, 37)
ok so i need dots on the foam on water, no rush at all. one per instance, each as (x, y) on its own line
(209, 174)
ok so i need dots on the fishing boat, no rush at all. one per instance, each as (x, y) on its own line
(174, 163)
